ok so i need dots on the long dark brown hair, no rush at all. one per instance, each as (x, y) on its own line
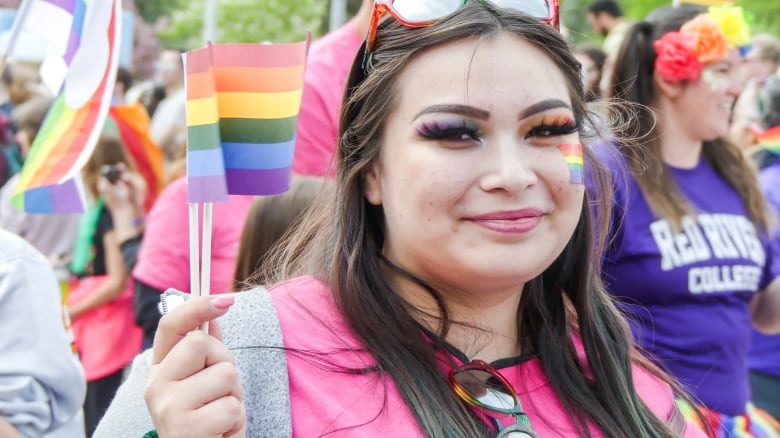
(269, 219)
(632, 80)
(341, 244)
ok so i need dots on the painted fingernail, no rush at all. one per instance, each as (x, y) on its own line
(223, 301)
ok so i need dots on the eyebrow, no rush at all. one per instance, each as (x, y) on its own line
(476, 113)
(463, 110)
(542, 106)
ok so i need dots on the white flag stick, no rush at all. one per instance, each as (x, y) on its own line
(194, 252)
(205, 269)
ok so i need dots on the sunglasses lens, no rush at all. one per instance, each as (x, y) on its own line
(535, 8)
(515, 434)
(486, 390)
(421, 10)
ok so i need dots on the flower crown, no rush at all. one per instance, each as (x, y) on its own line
(681, 55)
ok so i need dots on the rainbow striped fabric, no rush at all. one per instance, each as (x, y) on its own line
(76, 9)
(242, 112)
(770, 139)
(573, 154)
(50, 180)
(754, 423)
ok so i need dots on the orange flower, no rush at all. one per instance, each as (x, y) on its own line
(709, 42)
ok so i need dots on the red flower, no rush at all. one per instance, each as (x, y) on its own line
(675, 57)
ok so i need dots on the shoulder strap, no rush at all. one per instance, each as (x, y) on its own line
(252, 332)
(676, 421)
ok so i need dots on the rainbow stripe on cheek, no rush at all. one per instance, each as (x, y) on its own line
(572, 153)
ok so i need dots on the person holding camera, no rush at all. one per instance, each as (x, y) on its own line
(100, 303)
(123, 193)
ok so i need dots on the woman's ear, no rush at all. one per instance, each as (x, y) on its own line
(372, 187)
(668, 89)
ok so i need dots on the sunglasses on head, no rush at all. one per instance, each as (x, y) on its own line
(421, 13)
(482, 386)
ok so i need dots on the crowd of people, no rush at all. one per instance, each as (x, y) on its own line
(473, 245)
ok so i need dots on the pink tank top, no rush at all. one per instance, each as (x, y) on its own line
(326, 401)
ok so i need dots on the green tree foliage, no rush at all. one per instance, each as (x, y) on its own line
(151, 10)
(247, 21)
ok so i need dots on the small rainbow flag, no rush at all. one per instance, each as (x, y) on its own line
(50, 180)
(572, 152)
(769, 139)
(242, 112)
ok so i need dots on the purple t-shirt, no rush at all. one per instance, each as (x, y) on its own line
(687, 293)
(765, 350)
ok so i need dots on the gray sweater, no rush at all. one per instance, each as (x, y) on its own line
(251, 330)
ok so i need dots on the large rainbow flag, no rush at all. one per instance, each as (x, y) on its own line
(242, 111)
(50, 181)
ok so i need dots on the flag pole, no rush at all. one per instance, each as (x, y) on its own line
(205, 272)
(194, 251)
(205, 253)
(210, 21)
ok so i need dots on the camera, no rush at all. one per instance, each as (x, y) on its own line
(111, 172)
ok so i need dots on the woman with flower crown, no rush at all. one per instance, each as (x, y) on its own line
(690, 260)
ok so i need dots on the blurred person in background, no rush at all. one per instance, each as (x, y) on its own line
(764, 359)
(169, 115)
(606, 18)
(41, 381)
(327, 68)
(592, 59)
(760, 62)
(690, 260)
(100, 304)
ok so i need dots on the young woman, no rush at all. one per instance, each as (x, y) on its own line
(691, 262)
(448, 289)
(100, 303)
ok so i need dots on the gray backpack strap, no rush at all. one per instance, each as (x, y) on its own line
(251, 330)
(676, 421)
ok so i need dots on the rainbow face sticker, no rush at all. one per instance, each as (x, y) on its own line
(572, 153)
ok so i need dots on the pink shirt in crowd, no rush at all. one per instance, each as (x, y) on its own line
(327, 69)
(324, 400)
(163, 260)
